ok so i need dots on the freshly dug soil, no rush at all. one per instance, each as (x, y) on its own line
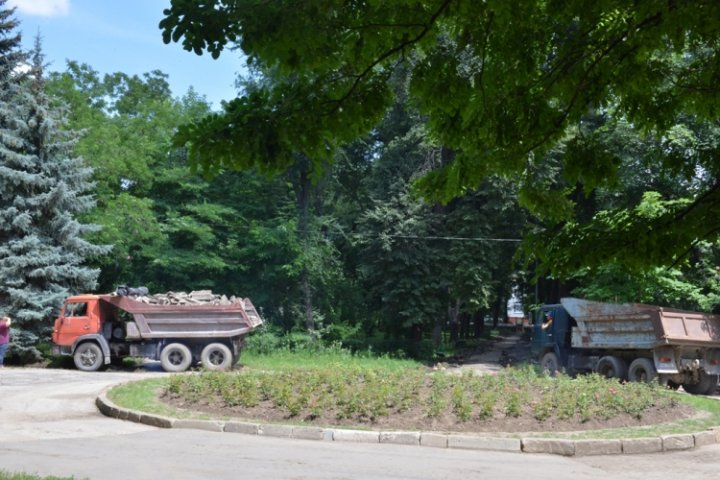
(415, 419)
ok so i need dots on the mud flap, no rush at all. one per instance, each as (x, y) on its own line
(664, 358)
(712, 361)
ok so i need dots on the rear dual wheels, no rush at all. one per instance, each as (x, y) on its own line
(642, 370)
(217, 356)
(612, 367)
(706, 385)
(175, 357)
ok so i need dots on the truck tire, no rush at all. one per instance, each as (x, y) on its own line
(612, 367)
(706, 386)
(642, 370)
(216, 356)
(175, 357)
(88, 357)
(550, 363)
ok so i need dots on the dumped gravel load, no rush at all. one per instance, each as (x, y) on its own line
(197, 297)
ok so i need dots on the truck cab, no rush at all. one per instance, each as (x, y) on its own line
(78, 331)
(551, 333)
(79, 316)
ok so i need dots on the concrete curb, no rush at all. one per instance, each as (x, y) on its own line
(557, 446)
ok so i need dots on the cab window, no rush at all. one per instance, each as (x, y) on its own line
(76, 309)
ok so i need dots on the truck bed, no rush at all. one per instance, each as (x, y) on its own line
(185, 321)
(638, 326)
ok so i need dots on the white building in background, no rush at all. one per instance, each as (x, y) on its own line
(515, 313)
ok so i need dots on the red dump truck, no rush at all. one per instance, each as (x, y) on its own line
(97, 329)
(631, 342)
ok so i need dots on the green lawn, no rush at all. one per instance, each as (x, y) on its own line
(4, 475)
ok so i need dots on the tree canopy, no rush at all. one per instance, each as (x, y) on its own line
(501, 84)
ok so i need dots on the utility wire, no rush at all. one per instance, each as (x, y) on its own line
(463, 239)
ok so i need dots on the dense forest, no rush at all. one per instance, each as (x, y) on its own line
(97, 191)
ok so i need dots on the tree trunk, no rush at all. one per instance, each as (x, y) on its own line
(465, 325)
(307, 299)
(453, 314)
(303, 203)
(479, 323)
(496, 311)
(437, 333)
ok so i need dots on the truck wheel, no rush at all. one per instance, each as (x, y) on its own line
(175, 357)
(706, 386)
(216, 356)
(642, 370)
(612, 367)
(88, 357)
(549, 363)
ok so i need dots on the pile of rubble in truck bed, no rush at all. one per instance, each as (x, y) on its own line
(197, 297)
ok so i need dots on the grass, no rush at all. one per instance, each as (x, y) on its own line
(4, 475)
(710, 408)
(143, 396)
(334, 358)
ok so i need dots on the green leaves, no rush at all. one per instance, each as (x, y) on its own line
(655, 232)
(210, 17)
(498, 85)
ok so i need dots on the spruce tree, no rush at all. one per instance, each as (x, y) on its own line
(44, 189)
(10, 59)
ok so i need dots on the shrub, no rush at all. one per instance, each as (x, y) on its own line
(349, 390)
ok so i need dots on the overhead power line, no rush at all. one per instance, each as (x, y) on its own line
(463, 239)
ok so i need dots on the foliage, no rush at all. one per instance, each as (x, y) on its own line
(173, 230)
(617, 232)
(366, 394)
(127, 122)
(268, 348)
(501, 86)
(661, 179)
(659, 286)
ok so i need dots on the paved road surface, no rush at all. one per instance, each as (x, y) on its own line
(49, 426)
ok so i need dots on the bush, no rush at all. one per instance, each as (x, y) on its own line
(23, 347)
(267, 340)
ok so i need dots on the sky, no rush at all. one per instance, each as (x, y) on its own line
(123, 36)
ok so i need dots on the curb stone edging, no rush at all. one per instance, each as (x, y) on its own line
(556, 446)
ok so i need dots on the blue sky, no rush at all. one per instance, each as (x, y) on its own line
(123, 36)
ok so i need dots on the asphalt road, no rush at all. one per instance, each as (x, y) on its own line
(49, 426)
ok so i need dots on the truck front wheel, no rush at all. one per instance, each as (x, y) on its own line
(550, 363)
(88, 357)
(175, 357)
(216, 356)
